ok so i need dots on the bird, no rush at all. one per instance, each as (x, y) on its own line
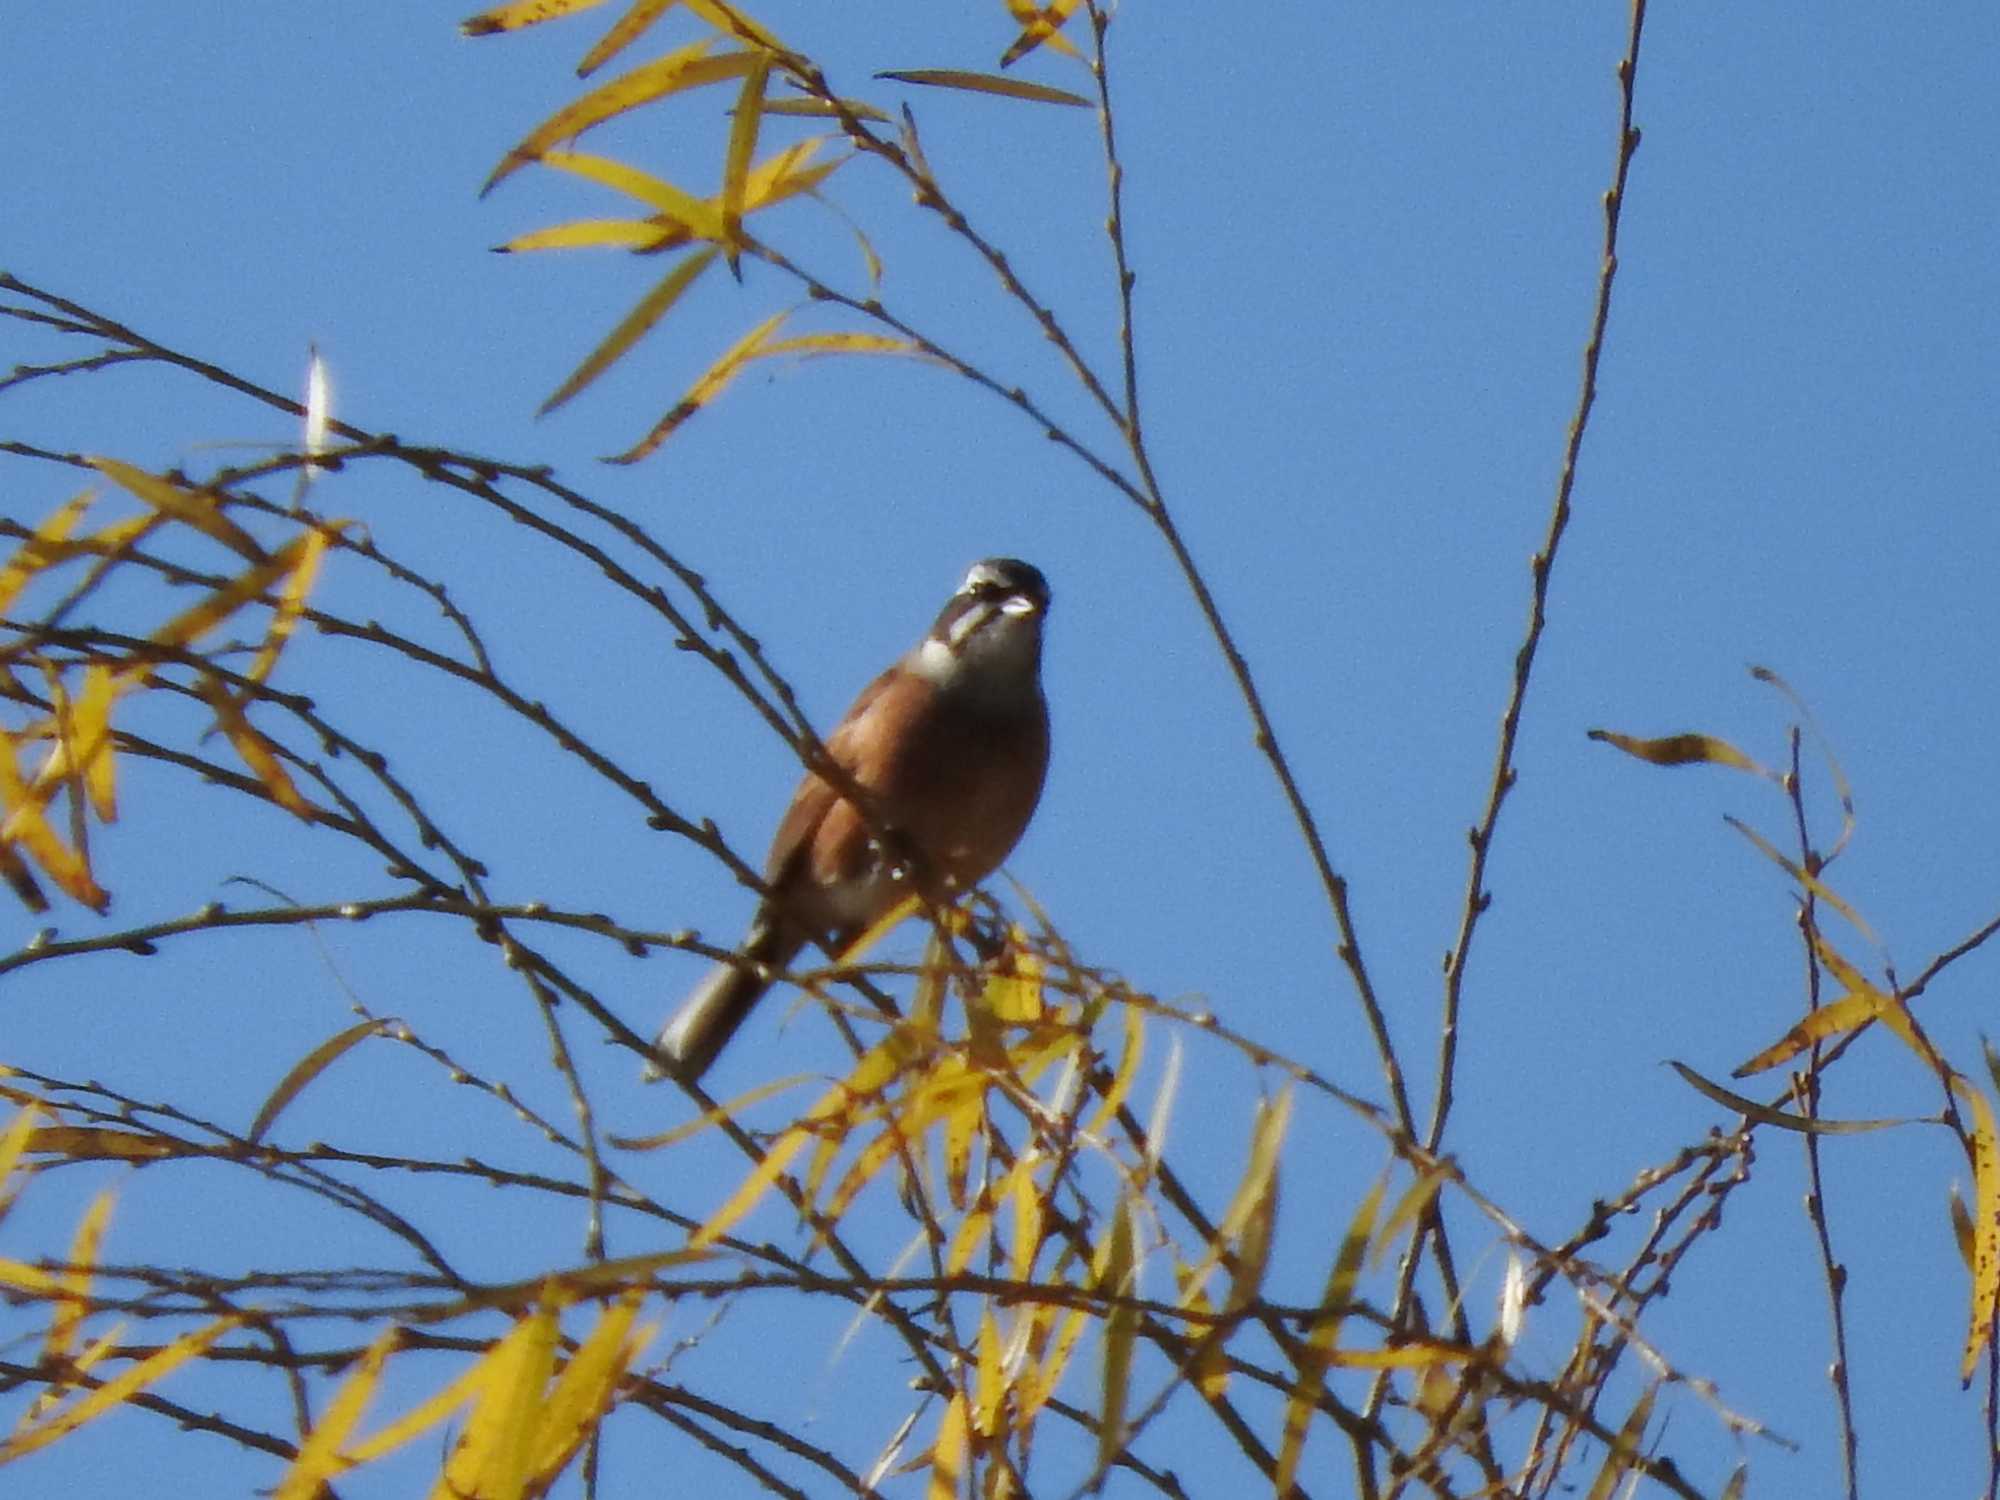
(950, 746)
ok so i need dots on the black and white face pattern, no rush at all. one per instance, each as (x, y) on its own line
(989, 636)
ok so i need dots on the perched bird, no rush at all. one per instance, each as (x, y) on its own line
(950, 745)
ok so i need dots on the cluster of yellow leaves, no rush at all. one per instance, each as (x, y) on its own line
(528, 1420)
(72, 1364)
(679, 220)
(77, 731)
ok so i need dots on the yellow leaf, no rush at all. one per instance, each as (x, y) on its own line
(522, 13)
(587, 1387)
(319, 1458)
(419, 1419)
(1831, 1019)
(685, 68)
(728, 19)
(1334, 1303)
(1116, 1269)
(706, 389)
(1128, 1069)
(1209, 1368)
(624, 31)
(948, 1452)
(1039, 24)
(203, 511)
(90, 726)
(68, 1316)
(13, 1142)
(753, 1187)
(306, 1070)
(1811, 882)
(988, 83)
(115, 1392)
(1681, 750)
(26, 825)
(694, 214)
(30, 1279)
(491, 1459)
(1624, 1452)
(43, 548)
(593, 234)
(991, 1390)
(1012, 994)
(1417, 1354)
(311, 548)
(633, 326)
(1255, 1196)
(1416, 1198)
(743, 127)
(256, 752)
(1986, 1225)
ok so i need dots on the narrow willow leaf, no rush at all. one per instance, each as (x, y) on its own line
(1738, 1481)
(67, 1319)
(820, 109)
(745, 122)
(201, 511)
(712, 383)
(96, 1143)
(1030, 1223)
(1986, 1225)
(1810, 882)
(725, 1111)
(27, 826)
(116, 1392)
(256, 752)
(694, 214)
(1680, 750)
(1335, 1300)
(634, 326)
(752, 1188)
(305, 1070)
(1127, 1072)
(1763, 1114)
(948, 1452)
(1116, 1273)
(586, 1389)
(13, 1142)
(291, 601)
(522, 13)
(1624, 1452)
(627, 29)
(192, 624)
(990, 1391)
(1832, 1019)
(683, 69)
(1415, 1200)
(731, 21)
(320, 1458)
(592, 234)
(491, 1459)
(988, 83)
(42, 548)
(1416, 1354)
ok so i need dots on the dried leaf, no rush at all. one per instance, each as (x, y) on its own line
(43, 548)
(1831, 1019)
(1039, 24)
(116, 1392)
(1116, 1270)
(1335, 1300)
(1763, 1114)
(988, 83)
(948, 1451)
(1681, 750)
(305, 1070)
(320, 1458)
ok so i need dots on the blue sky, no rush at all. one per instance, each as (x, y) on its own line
(1367, 245)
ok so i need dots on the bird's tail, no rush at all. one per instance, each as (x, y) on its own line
(708, 1018)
